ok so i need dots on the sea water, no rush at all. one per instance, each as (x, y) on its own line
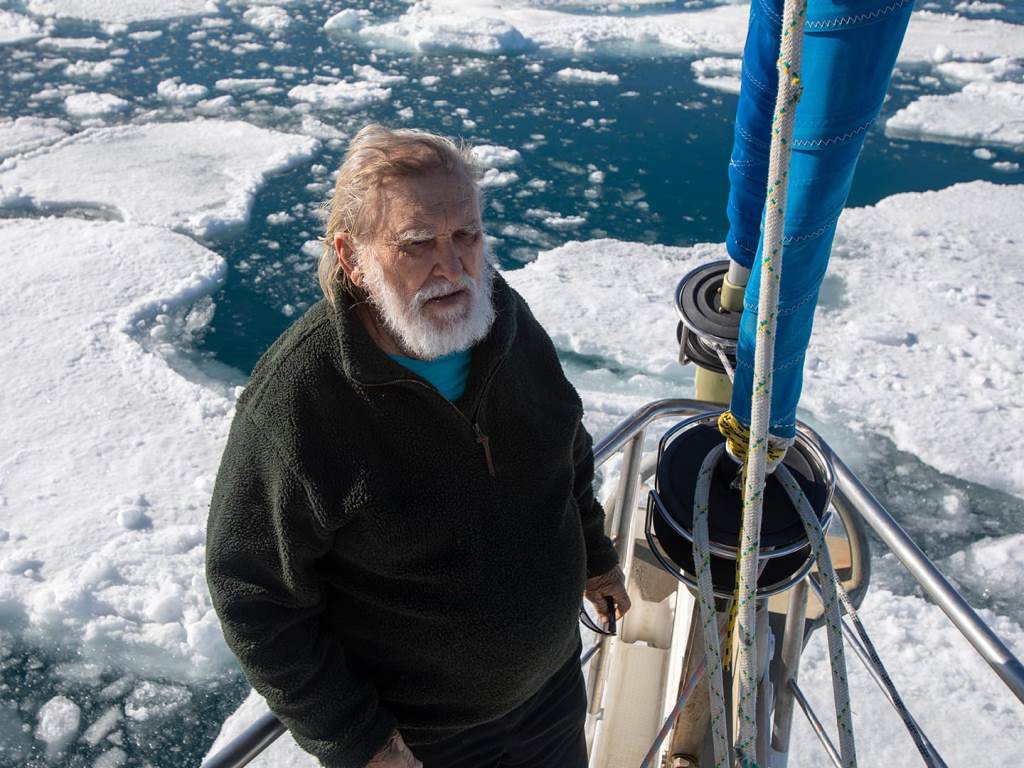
(638, 155)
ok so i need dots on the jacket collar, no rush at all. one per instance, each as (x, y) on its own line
(365, 363)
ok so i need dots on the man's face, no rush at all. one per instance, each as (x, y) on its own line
(426, 273)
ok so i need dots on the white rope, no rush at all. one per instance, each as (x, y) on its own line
(833, 616)
(708, 612)
(790, 52)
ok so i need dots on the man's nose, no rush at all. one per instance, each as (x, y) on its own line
(448, 265)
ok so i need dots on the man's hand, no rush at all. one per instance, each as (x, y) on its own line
(611, 584)
(394, 754)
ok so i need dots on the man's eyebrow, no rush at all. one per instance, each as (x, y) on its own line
(409, 236)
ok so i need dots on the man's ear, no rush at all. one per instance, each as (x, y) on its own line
(344, 247)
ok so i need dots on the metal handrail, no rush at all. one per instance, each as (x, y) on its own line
(850, 492)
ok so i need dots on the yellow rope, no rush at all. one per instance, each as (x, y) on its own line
(737, 438)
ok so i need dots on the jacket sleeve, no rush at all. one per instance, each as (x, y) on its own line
(601, 555)
(263, 539)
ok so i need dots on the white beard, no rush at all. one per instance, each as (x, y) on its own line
(415, 332)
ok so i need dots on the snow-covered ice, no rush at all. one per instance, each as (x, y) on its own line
(495, 155)
(18, 28)
(493, 26)
(177, 92)
(719, 73)
(269, 18)
(95, 421)
(576, 75)
(57, 724)
(198, 176)
(94, 105)
(982, 113)
(74, 43)
(964, 708)
(26, 133)
(341, 96)
(121, 12)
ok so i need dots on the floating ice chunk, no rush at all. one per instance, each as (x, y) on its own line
(564, 222)
(176, 92)
(1006, 166)
(94, 104)
(146, 35)
(718, 73)
(198, 176)
(121, 12)
(155, 701)
(102, 726)
(115, 757)
(347, 20)
(74, 43)
(269, 18)
(989, 113)
(27, 133)
(933, 38)
(495, 155)
(1004, 68)
(495, 26)
(573, 75)
(16, 28)
(423, 30)
(57, 724)
(374, 75)
(342, 96)
(977, 6)
(90, 70)
(983, 153)
(494, 178)
(430, 80)
(244, 84)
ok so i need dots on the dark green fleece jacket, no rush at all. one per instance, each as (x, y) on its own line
(382, 557)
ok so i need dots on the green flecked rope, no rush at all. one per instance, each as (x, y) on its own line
(789, 62)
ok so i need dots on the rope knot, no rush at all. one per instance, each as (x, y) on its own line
(737, 442)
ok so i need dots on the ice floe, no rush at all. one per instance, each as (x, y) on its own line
(97, 421)
(177, 92)
(74, 43)
(492, 26)
(982, 113)
(269, 18)
(57, 725)
(495, 155)
(94, 105)
(121, 12)
(198, 177)
(342, 96)
(575, 75)
(17, 28)
(718, 73)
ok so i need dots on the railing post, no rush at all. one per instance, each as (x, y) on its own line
(792, 647)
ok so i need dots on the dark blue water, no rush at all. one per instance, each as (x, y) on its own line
(661, 141)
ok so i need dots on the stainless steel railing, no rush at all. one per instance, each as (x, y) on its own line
(628, 436)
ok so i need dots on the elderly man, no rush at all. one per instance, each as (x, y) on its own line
(403, 525)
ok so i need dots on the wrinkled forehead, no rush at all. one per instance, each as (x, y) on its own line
(437, 199)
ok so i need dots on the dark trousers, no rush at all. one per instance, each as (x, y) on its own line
(545, 731)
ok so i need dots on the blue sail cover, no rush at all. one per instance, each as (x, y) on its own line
(849, 52)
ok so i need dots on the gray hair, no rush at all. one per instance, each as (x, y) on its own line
(375, 155)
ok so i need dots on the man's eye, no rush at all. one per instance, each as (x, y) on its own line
(466, 237)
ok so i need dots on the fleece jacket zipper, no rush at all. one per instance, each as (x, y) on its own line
(482, 440)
